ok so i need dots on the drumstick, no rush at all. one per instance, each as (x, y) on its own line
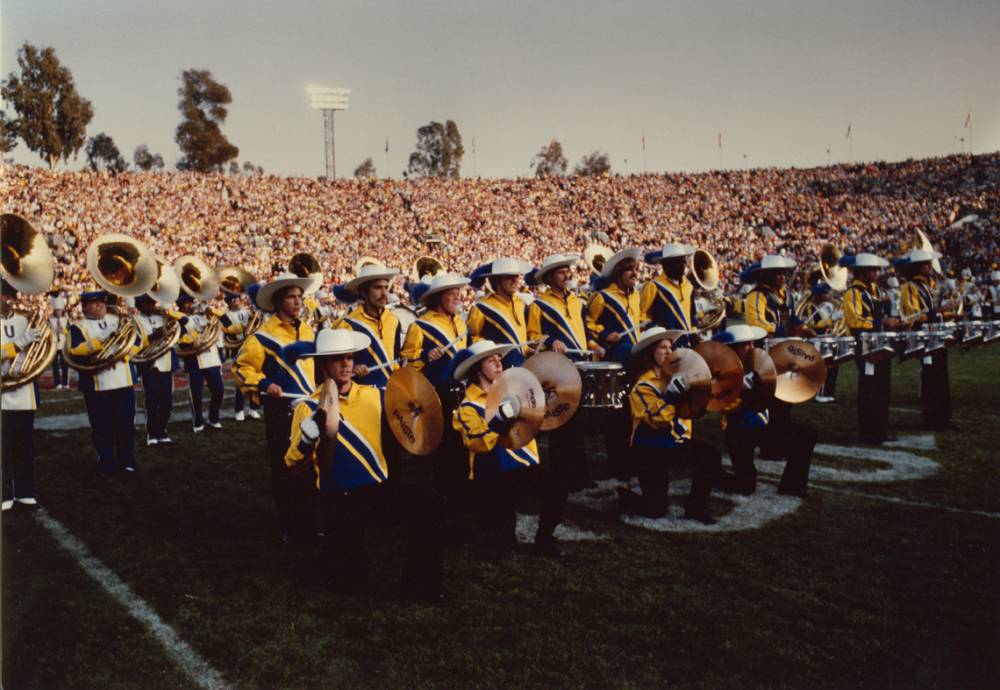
(637, 327)
(393, 363)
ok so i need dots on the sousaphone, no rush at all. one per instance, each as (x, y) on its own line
(200, 281)
(305, 265)
(705, 273)
(165, 291)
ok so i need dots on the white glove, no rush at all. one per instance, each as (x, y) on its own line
(678, 385)
(309, 429)
(105, 333)
(748, 381)
(30, 336)
(837, 315)
(509, 408)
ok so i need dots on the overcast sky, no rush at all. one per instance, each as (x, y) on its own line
(780, 80)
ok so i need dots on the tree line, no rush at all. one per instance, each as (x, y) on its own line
(51, 118)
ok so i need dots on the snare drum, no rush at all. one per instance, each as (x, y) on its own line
(876, 347)
(827, 346)
(604, 385)
(991, 332)
(912, 344)
(972, 334)
(939, 337)
(846, 347)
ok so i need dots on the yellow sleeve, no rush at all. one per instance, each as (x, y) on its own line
(475, 322)
(217, 312)
(9, 351)
(646, 299)
(909, 303)
(476, 434)
(533, 323)
(649, 407)
(755, 311)
(250, 364)
(854, 316)
(87, 347)
(595, 307)
(294, 456)
(413, 345)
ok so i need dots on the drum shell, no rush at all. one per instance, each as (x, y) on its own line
(604, 385)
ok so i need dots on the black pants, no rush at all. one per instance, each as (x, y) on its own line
(830, 385)
(347, 516)
(779, 414)
(558, 472)
(197, 378)
(795, 444)
(873, 400)
(158, 388)
(60, 370)
(617, 433)
(18, 454)
(112, 428)
(935, 392)
(496, 519)
(294, 494)
(653, 469)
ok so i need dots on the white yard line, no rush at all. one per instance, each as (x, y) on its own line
(196, 668)
(905, 501)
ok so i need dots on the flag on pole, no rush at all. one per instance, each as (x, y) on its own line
(720, 141)
(968, 119)
(387, 144)
(848, 131)
(644, 141)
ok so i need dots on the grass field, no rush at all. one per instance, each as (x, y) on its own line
(862, 585)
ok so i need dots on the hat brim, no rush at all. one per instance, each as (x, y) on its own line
(670, 334)
(609, 268)
(462, 282)
(564, 263)
(361, 342)
(463, 369)
(355, 283)
(266, 292)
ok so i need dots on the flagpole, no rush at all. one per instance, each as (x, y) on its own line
(387, 173)
(475, 166)
(644, 169)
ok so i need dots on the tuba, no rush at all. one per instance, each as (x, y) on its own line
(829, 271)
(27, 267)
(125, 268)
(705, 273)
(165, 291)
(366, 261)
(596, 255)
(201, 282)
(235, 280)
(425, 266)
(307, 266)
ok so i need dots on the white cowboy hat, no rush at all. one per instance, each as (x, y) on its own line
(508, 266)
(669, 251)
(774, 262)
(610, 265)
(442, 282)
(916, 256)
(554, 261)
(655, 335)
(480, 350)
(338, 341)
(864, 260)
(283, 280)
(368, 273)
(741, 333)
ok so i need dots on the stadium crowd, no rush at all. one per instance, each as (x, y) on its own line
(259, 221)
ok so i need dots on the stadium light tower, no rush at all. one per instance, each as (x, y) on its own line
(328, 100)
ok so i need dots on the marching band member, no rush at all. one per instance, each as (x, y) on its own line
(994, 301)
(59, 323)
(822, 320)
(18, 406)
(918, 305)
(613, 320)
(158, 375)
(492, 468)
(109, 394)
(205, 367)
(745, 429)
(373, 365)
(234, 323)
(557, 317)
(864, 313)
(261, 370)
(500, 316)
(355, 489)
(667, 299)
(661, 439)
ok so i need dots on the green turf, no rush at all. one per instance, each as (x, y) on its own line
(846, 591)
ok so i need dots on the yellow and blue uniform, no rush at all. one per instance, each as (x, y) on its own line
(109, 396)
(612, 310)
(157, 380)
(863, 307)
(916, 296)
(767, 308)
(487, 458)
(655, 423)
(503, 321)
(18, 419)
(559, 318)
(203, 368)
(386, 343)
(669, 304)
(260, 362)
(916, 300)
(863, 312)
(434, 329)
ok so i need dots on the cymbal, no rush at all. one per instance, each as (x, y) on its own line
(727, 374)
(688, 362)
(767, 379)
(801, 370)
(562, 386)
(414, 411)
(329, 402)
(523, 385)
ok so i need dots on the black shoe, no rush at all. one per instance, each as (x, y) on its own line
(548, 546)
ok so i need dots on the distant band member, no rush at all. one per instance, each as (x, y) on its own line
(661, 439)
(355, 488)
(203, 368)
(109, 393)
(158, 375)
(234, 324)
(501, 315)
(864, 312)
(918, 305)
(59, 323)
(492, 468)
(667, 300)
(262, 371)
(374, 365)
(19, 405)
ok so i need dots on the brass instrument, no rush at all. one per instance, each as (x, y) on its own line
(165, 292)
(366, 261)
(208, 338)
(705, 273)
(113, 350)
(201, 282)
(306, 265)
(235, 280)
(829, 271)
(426, 266)
(27, 267)
(925, 244)
(596, 255)
(121, 265)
